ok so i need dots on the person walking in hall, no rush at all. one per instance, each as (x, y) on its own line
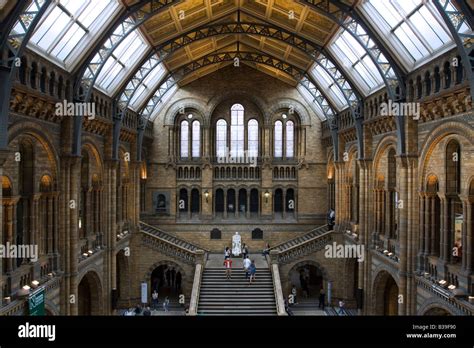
(331, 219)
(342, 311)
(247, 264)
(173, 277)
(287, 308)
(228, 268)
(147, 312)
(166, 304)
(266, 251)
(294, 293)
(322, 294)
(154, 299)
(245, 251)
(168, 277)
(226, 253)
(252, 271)
(178, 281)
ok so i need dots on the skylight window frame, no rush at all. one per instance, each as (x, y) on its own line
(138, 100)
(337, 98)
(75, 55)
(398, 48)
(349, 68)
(311, 102)
(114, 84)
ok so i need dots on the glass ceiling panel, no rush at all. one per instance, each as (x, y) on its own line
(146, 88)
(312, 103)
(123, 59)
(414, 28)
(165, 98)
(334, 93)
(69, 26)
(355, 61)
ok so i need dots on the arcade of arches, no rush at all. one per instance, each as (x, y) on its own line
(167, 171)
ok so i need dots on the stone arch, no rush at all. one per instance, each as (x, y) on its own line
(383, 281)
(382, 146)
(215, 101)
(188, 103)
(90, 294)
(122, 276)
(51, 308)
(39, 133)
(178, 267)
(92, 147)
(311, 263)
(300, 109)
(7, 186)
(431, 306)
(437, 135)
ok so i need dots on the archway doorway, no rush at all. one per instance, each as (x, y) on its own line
(122, 278)
(386, 294)
(167, 280)
(89, 295)
(437, 311)
(308, 280)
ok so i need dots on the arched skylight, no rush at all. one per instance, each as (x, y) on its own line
(123, 59)
(147, 86)
(414, 28)
(325, 81)
(69, 26)
(310, 100)
(356, 61)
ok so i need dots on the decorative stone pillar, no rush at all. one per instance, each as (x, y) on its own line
(466, 241)
(75, 179)
(402, 168)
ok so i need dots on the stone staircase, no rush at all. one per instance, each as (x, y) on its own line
(168, 238)
(297, 248)
(315, 233)
(219, 296)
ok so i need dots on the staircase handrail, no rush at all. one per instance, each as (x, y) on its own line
(276, 247)
(169, 242)
(196, 290)
(277, 290)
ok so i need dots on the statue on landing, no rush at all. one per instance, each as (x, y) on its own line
(236, 244)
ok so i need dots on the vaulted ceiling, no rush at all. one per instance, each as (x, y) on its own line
(188, 15)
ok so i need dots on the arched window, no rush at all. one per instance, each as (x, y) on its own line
(252, 138)
(290, 139)
(278, 150)
(237, 130)
(221, 138)
(184, 139)
(196, 149)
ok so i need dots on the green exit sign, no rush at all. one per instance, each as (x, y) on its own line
(36, 303)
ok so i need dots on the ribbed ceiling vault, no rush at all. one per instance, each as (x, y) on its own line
(190, 14)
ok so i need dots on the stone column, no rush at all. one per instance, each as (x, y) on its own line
(388, 215)
(434, 247)
(75, 179)
(50, 229)
(247, 212)
(9, 205)
(339, 188)
(422, 238)
(469, 249)
(466, 240)
(225, 204)
(402, 171)
(443, 249)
